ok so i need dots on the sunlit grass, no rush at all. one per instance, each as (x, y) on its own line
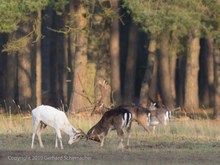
(175, 143)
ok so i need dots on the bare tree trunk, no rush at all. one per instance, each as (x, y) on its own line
(115, 57)
(172, 64)
(180, 79)
(78, 99)
(130, 73)
(217, 81)
(101, 28)
(149, 83)
(192, 67)
(206, 73)
(65, 70)
(54, 80)
(98, 49)
(11, 76)
(38, 61)
(164, 72)
(24, 68)
(210, 67)
(57, 63)
(103, 65)
(3, 63)
(46, 48)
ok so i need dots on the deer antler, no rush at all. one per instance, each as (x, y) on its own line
(103, 88)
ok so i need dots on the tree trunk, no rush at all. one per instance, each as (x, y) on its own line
(38, 61)
(65, 70)
(216, 81)
(206, 73)
(149, 84)
(101, 27)
(164, 72)
(46, 48)
(115, 57)
(3, 62)
(210, 68)
(11, 76)
(172, 68)
(180, 80)
(54, 79)
(24, 68)
(57, 62)
(78, 98)
(130, 73)
(191, 100)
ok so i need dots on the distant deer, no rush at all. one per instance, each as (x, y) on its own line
(139, 113)
(158, 116)
(112, 120)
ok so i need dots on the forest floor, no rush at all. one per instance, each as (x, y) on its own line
(181, 142)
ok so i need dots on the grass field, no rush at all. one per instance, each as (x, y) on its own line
(181, 142)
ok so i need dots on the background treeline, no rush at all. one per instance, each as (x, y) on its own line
(56, 51)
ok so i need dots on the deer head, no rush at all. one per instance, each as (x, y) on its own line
(93, 135)
(153, 106)
(79, 134)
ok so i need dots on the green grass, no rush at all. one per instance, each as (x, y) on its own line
(186, 142)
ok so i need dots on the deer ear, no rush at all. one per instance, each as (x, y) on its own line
(74, 131)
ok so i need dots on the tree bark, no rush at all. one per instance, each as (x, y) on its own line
(130, 72)
(149, 84)
(210, 68)
(180, 79)
(78, 98)
(164, 72)
(172, 68)
(11, 76)
(24, 68)
(3, 62)
(216, 81)
(206, 73)
(101, 28)
(38, 61)
(191, 100)
(115, 57)
(57, 63)
(46, 48)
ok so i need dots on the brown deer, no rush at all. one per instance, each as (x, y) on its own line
(139, 113)
(158, 116)
(112, 120)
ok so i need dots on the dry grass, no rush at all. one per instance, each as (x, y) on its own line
(181, 142)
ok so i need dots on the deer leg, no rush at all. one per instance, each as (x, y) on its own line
(58, 134)
(128, 134)
(56, 142)
(120, 134)
(102, 138)
(39, 130)
(36, 124)
(154, 127)
(143, 123)
(33, 136)
(32, 143)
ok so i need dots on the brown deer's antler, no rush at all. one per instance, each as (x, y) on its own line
(103, 88)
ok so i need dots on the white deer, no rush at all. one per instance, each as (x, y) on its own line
(46, 115)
